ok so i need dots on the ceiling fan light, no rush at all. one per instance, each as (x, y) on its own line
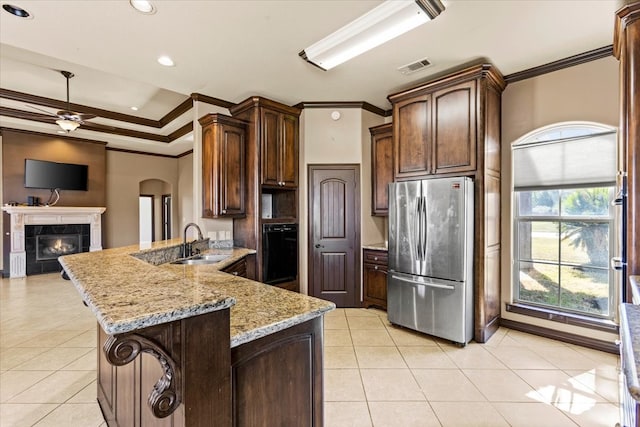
(67, 125)
(143, 6)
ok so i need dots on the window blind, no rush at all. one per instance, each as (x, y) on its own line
(571, 162)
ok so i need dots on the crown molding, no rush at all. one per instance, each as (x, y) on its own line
(144, 153)
(344, 104)
(61, 136)
(560, 64)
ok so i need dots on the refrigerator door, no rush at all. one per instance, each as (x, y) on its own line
(440, 308)
(404, 248)
(448, 219)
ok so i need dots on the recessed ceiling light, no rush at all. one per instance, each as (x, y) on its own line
(134, 108)
(166, 61)
(17, 11)
(143, 6)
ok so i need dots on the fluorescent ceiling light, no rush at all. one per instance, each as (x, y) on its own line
(387, 21)
(67, 125)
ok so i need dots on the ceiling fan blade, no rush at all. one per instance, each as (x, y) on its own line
(84, 116)
(41, 110)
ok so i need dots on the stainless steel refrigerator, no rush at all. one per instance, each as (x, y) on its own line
(430, 280)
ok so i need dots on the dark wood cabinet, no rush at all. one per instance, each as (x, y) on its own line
(275, 380)
(238, 268)
(435, 132)
(223, 166)
(381, 168)
(279, 149)
(271, 174)
(374, 278)
(451, 127)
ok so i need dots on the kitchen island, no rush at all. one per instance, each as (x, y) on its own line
(202, 346)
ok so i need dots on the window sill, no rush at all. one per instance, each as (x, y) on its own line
(562, 317)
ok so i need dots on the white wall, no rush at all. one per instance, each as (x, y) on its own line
(1, 213)
(586, 92)
(327, 141)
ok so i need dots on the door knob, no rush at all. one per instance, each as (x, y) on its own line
(318, 245)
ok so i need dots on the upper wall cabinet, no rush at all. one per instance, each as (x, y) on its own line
(435, 129)
(279, 149)
(381, 168)
(223, 166)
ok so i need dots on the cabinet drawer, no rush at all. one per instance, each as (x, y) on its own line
(375, 257)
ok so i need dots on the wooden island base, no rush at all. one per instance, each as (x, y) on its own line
(273, 380)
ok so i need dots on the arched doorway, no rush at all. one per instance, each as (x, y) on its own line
(155, 211)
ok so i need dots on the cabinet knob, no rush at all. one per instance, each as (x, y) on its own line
(375, 258)
(224, 211)
(375, 267)
(235, 273)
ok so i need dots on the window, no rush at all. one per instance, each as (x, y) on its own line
(564, 183)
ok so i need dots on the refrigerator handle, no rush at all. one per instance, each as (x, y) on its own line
(424, 228)
(428, 285)
(417, 223)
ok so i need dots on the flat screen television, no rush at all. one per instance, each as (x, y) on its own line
(52, 175)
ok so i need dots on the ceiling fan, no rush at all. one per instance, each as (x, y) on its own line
(68, 120)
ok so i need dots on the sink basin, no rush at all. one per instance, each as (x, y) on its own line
(202, 259)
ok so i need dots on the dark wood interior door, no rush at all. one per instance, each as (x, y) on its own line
(334, 233)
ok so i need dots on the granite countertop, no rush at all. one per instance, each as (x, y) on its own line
(127, 293)
(630, 337)
(376, 246)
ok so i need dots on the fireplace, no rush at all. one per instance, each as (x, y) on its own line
(45, 243)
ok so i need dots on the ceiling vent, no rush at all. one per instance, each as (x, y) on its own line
(414, 66)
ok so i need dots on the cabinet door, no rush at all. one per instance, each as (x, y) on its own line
(270, 124)
(454, 128)
(381, 170)
(375, 285)
(208, 171)
(412, 137)
(288, 168)
(231, 182)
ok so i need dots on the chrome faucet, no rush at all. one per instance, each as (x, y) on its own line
(185, 246)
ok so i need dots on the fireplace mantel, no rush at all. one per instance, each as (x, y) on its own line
(44, 215)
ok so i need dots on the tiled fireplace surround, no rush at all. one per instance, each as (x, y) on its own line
(56, 218)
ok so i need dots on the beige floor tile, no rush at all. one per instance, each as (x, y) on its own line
(14, 356)
(53, 359)
(406, 337)
(390, 385)
(533, 415)
(566, 358)
(530, 340)
(403, 414)
(11, 336)
(343, 385)
(473, 356)
(426, 357)
(379, 357)
(470, 414)
(88, 362)
(338, 312)
(13, 383)
(73, 414)
(360, 312)
(337, 337)
(371, 337)
(447, 385)
(85, 339)
(365, 322)
(86, 395)
(602, 380)
(56, 388)
(592, 415)
(339, 357)
(24, 414)
(346, 414)
(338, 322)
(519, 358)
(50, 338)
(496, 339)
(499, 385)
(601, 357)
(556, 386)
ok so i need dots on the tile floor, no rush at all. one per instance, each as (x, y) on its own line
(375, 374)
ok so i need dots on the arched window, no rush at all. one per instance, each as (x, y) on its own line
(564, 177)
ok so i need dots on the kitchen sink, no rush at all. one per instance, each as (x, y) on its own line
(202, 259)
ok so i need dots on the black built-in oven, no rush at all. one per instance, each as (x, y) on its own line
(279, 253)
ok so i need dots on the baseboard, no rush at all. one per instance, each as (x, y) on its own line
(588, 342)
